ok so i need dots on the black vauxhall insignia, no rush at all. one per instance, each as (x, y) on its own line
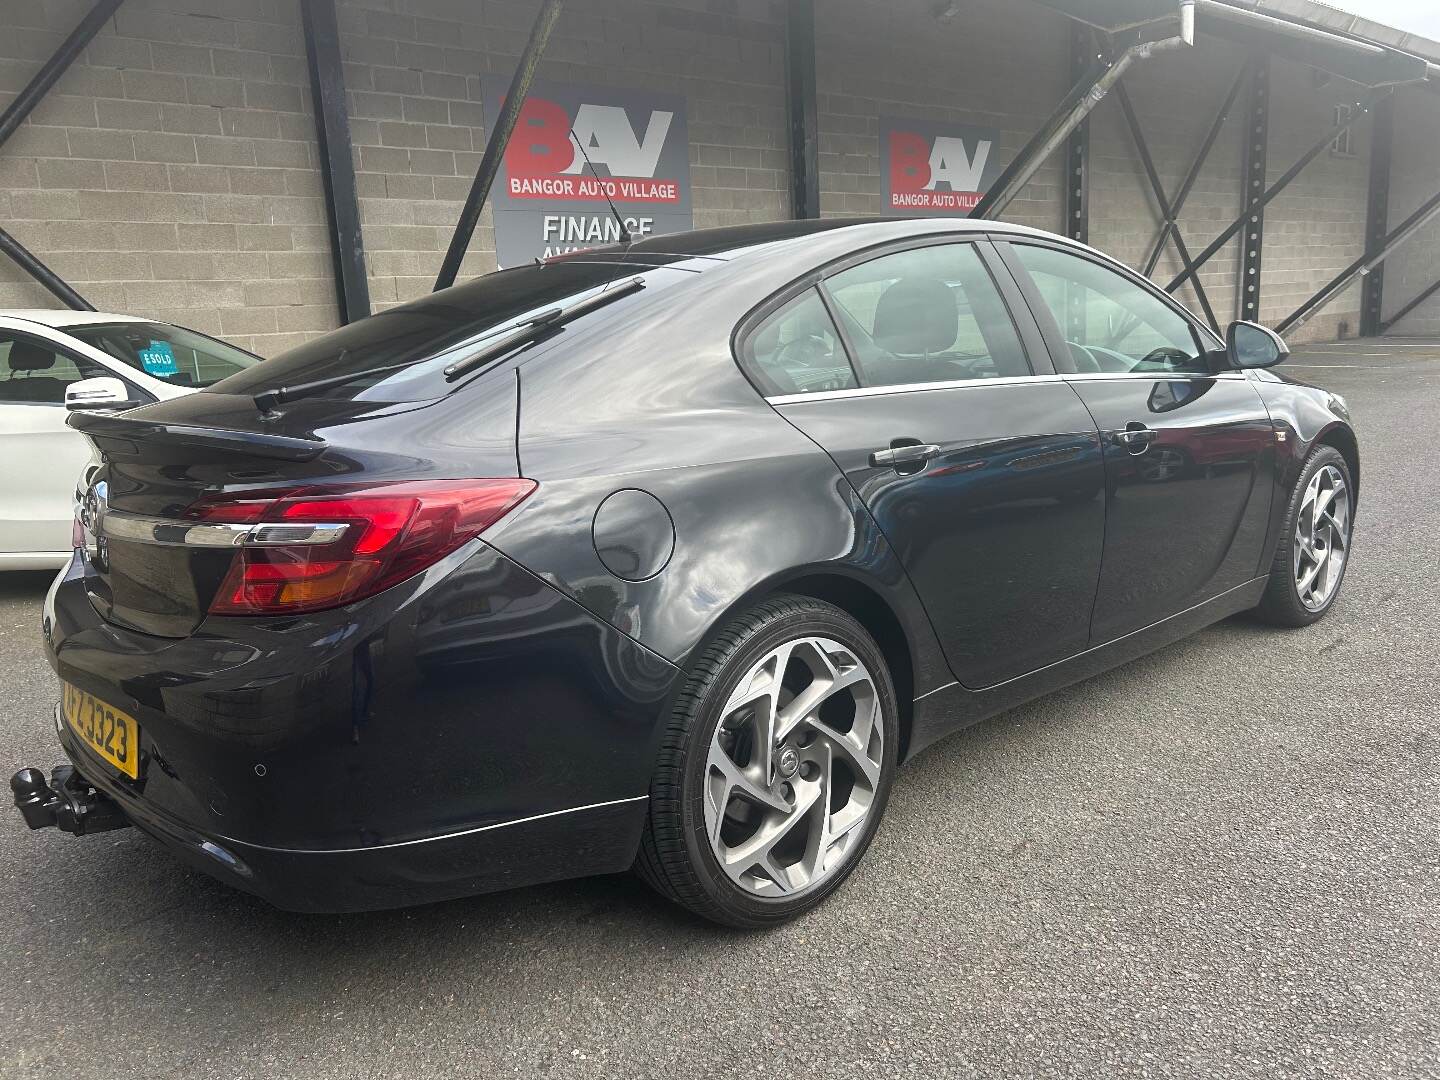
(662, 556)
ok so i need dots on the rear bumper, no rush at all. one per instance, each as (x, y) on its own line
(471, 730)
(546, 847)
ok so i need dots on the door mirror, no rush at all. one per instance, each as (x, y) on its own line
(101, 392)
(1250, 345)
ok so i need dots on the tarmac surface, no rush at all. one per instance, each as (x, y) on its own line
(1222, 860)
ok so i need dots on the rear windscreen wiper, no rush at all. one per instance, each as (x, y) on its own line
(534, 328)
(528, 331)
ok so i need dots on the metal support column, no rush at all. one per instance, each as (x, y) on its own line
(499, 139)
(804, 111)
(1084, 51)
(42, 273)
(1253, 173)
(337, 169)
(46, 77)
(1377, 216)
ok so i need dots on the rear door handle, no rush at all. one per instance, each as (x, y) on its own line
(897, 457)
(1136, 438)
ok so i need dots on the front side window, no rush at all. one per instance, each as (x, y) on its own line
(930, 314)
(33, 372)
(168, 353)
(797, 350)
(1110, 323)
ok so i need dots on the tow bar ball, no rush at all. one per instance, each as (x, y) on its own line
(66, 801)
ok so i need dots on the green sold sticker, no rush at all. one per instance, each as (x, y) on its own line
(159, 359)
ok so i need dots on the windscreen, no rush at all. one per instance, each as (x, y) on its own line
(170, 353)
(425, 336)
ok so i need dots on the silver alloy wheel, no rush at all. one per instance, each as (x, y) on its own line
(1322, 537)
(793, 767)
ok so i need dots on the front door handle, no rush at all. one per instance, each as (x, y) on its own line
(903, 455)
(1135, 439)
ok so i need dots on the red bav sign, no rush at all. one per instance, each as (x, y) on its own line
(549, 200)
(933, 168)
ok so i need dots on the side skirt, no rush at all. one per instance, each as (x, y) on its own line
(953, 707)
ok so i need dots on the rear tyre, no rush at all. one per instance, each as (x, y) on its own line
(775, 766)
(1314, 547)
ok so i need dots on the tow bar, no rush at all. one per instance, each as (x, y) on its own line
(67, 801)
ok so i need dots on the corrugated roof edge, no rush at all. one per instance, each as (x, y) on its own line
(1343, 22)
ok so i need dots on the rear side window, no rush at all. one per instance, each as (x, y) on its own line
(416, 341)
(33, 372)
(930, 314)
(797, 350)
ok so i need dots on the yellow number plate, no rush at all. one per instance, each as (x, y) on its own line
(112, 734)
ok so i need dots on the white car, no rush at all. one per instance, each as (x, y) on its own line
(55, 361)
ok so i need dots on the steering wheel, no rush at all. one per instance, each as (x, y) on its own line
(1165, 358)
(812, 350)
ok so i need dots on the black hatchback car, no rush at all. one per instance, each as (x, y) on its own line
(664, 555)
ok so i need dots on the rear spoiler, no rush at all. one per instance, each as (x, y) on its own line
(120, 435)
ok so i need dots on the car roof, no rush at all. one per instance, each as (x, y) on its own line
(732, 242)
(60, 318)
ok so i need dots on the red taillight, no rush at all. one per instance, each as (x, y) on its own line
(391, 532)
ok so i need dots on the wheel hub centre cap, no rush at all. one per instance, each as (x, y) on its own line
(788, 762)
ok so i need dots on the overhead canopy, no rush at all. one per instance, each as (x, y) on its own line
(1276, 27)
(1114, 15)
(1365, 62)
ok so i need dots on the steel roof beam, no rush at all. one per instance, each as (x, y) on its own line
(1357, 110)
(499, 141)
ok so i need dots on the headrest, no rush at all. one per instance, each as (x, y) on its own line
(917, 315)
(28, 356)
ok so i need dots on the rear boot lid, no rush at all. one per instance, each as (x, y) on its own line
(148, 568)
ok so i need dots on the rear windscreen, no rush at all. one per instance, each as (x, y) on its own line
(425, 336)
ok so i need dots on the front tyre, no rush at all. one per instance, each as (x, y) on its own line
(775, 766)
(1314, 546)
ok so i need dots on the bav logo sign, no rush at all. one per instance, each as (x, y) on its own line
(549, 201)
(931, 168)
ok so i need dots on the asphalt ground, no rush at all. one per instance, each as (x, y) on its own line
(1221, 860)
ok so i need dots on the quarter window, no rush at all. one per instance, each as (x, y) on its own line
(33, 372)
(1110, 323)
(798, 351)
(930, 314)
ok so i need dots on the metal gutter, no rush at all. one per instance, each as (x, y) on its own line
(1395, 66)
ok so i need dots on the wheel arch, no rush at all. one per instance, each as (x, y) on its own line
(1342, 438)
(864, 603)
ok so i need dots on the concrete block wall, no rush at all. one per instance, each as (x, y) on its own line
(1176, 96)
(1415, 177)
(172, 169)
(900, 60)
(996, 64)
(1316, 227)
(413, 72)
(1313, 229)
